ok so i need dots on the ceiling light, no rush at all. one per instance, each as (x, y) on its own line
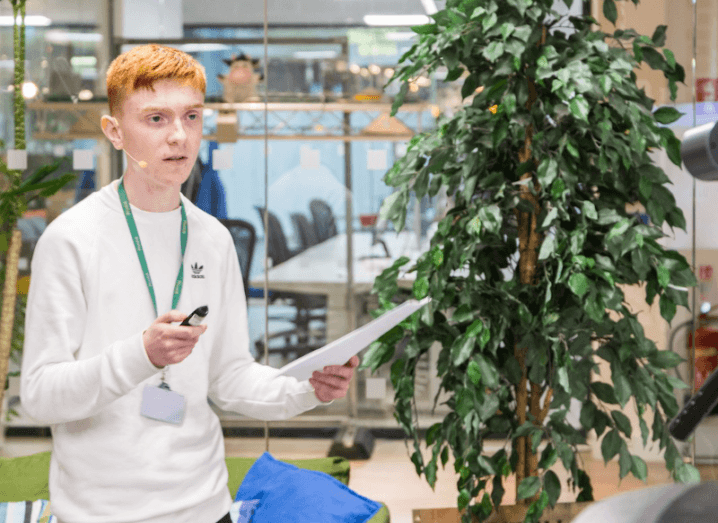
(83, 61)
(354, 68)
(315, 55)
(199, 47)
(389, 72)
(374, 69)
(85, 95)
(29, 20)
(396, 20)
(403, 36)
(429, 6)
(63, 37)
(29, 90)
(364, 72)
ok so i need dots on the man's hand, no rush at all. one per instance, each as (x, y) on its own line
(168, 344)
(333, 382)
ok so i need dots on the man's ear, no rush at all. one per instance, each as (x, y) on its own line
(111, 128)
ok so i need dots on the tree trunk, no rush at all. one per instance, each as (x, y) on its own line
(529, 244)
(7, 320)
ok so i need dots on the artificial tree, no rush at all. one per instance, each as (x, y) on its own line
(15, 195)
(551, 145)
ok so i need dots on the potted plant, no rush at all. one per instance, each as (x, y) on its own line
(530, 261)
(15, 195)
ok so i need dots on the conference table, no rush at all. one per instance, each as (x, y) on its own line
(322, 269)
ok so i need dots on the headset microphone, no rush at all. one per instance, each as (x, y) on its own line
(142, 163)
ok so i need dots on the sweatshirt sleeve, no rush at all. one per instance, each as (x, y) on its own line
(55, 387)
(236, 382)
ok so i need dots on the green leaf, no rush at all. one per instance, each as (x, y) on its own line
(552, 486)
(474, 226)
(670, 58)
(474, 329)
(610, 445)
(506, 29)
(579, 107)
(489, 21)
(437, 256)
(493, 50)
(624, 462)
(604, 392)
(427, 29)
(665, 359)
(462, 314)
(668, 308)
(664, 276)
(578, 283)
(488, 371)
(623, 423)
(421, 288)
(609, 11)
(666, 115)
(639, 468)
(547, 171)
(622, 389)
(606, 84)
(474, 373)
(548, 246)
(528, 487)
(687, 473)
(461, 350)
(589, 209)
(588, 415)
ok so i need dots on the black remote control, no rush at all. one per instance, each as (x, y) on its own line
(198, 315)
(697, 408)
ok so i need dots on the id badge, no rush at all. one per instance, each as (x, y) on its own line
(162, 405)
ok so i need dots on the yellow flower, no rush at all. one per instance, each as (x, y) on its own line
(494, 108)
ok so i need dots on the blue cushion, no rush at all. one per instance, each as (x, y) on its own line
(288, 493)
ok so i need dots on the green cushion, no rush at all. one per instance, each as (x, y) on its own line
(25, 478)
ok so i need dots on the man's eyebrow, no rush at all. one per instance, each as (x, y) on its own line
(167, 109)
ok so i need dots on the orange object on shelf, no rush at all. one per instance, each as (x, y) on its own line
(367, 220)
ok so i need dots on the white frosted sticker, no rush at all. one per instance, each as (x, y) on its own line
(376, 159)
(401, 149)
(310, 158)
(83, 160)
(58, 150)
(17, 159)
(23, 264)
(222, 159)
(340, 149)
(375, 388)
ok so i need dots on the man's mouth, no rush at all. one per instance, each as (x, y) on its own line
(175, 159)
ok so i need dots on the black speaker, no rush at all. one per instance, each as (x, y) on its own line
(352, 443)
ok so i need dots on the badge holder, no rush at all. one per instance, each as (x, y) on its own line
(160, 403)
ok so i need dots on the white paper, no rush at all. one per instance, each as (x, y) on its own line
(83, 160)
(338, 352)
(222, 159)
(17, 159)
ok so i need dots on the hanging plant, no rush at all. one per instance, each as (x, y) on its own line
(525, 271)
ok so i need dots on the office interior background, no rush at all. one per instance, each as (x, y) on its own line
(330, 142)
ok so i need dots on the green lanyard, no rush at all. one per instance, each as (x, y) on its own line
(140, 254)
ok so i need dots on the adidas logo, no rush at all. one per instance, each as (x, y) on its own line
(197, 270)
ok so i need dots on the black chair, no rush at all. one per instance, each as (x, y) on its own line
(323, 217)
(305, 230)
(301, 339)
(244, 237)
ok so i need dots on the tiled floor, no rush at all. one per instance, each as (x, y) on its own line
(389, 476)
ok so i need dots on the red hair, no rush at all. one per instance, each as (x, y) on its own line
(141, 67)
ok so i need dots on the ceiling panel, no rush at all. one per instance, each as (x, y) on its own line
(235, 12)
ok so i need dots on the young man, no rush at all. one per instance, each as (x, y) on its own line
(112, 276)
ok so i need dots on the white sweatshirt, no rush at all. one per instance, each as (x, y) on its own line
(85, 366)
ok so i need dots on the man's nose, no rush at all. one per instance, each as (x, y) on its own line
(178, 132)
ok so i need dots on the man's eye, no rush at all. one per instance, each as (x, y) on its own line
(194, 116)
(155, 116)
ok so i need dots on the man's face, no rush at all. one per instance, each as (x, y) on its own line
(162, 124)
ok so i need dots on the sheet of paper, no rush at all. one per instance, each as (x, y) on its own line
(338, 352)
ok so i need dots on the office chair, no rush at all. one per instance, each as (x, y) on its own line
(305, 230)
(301, 339)
(323, 217)
(244, 237)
